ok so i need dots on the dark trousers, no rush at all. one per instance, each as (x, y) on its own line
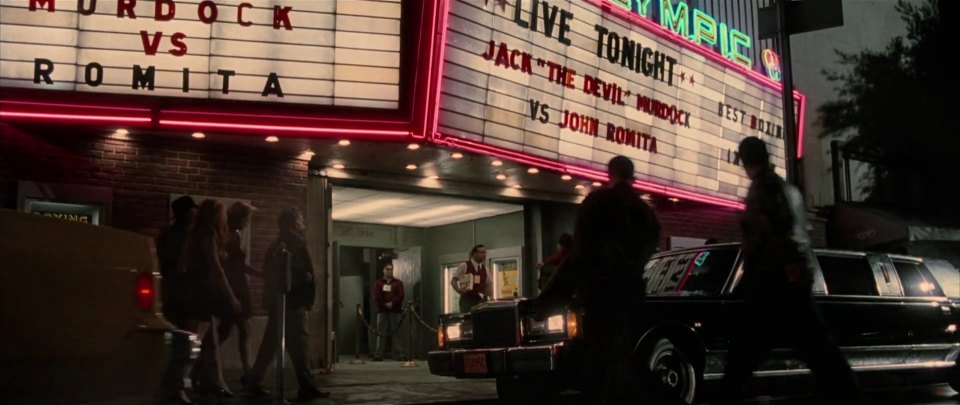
(795, 321)
(468, 301)
(615, 373)
(388, 322)
(296, 333)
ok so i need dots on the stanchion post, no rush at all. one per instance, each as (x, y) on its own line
(283, 287)
(410, 361)
(356, 347)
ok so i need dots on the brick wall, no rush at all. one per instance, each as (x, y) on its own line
(144, 171)
(697, 221)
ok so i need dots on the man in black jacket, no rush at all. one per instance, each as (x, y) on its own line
(776, 286)
(299, 300)
(615, 233)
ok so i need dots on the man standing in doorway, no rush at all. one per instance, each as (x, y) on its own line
(299, 299)
(388, 292)
(776, 286)
(471, 280)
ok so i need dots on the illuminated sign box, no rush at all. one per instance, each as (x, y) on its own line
(572, 82)
(343, 52)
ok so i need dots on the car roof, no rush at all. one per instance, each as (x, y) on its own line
(736, 245)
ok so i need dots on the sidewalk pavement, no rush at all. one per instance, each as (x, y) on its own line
(386, 382)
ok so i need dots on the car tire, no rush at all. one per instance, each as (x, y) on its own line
(955, 377)
(670, 367)
(527, 390)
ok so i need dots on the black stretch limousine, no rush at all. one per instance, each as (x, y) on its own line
(887, 312)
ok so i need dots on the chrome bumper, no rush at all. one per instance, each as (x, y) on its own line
(500, 361)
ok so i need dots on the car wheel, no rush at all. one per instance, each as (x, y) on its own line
(955, 377)
(527, 390)
(671, 368)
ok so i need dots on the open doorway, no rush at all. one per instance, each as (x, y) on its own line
(357, 268)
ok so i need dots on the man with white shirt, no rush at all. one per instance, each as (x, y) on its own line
(472, 281)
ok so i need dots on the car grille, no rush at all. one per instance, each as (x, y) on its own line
(495, 325)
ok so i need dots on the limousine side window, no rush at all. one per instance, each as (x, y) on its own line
(847, 275)
(701, 273)
(917, 280)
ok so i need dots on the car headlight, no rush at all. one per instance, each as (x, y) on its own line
(453, 331)
(566, 323)
(552, 325)
(459, 331)
(555, 324)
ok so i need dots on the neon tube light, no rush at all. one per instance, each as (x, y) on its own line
(445, 15)
(279, 117)
(316, 130)
(97, 107)
(73, 117)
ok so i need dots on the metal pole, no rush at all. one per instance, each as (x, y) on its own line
(283, 287)
(356, 347)
(789, 120)
(410, 361)
(835, 163)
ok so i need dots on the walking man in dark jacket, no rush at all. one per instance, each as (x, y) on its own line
(776, 286)
(615, 233)
(299, 300)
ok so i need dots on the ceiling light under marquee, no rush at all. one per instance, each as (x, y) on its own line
(496, 163)
(566, 177)
(272, 139)
(411, 167)
(198, 135)
(533, 170)
(344, 142)
(457, 155)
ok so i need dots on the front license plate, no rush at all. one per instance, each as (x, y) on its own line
(475, 363)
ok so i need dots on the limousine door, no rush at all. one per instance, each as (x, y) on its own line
(926, 315)
(859, 306)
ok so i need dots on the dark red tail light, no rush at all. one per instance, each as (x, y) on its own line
(145, 292)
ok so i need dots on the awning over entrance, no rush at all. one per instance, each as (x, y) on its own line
(862, 227)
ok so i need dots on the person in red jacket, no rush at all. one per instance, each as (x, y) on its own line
(551, 263)
(388, 292)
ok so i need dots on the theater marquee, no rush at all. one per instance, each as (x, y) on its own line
(331, 52)
(582, 81)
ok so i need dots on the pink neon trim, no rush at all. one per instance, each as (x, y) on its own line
(338, 131)
(75, 117)
(96, 107)
(685, 43)
(445, 15)
(686, 276)
(583, 172)
(280, 117)
(800, 125)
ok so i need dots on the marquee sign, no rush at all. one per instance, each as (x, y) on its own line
(331, 52)
(574, 82)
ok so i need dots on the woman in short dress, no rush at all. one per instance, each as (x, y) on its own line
(238, 218)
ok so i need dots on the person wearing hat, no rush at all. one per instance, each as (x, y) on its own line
(776, 286)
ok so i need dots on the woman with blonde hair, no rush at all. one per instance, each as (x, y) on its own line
(204, 253)
(238, 218)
